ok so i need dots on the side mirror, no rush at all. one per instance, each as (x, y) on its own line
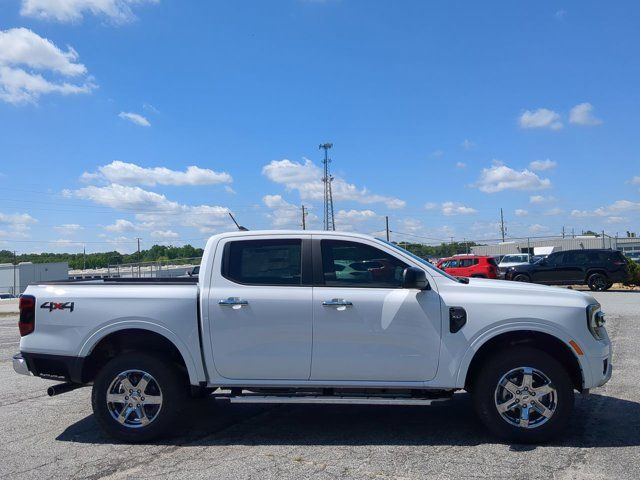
(413, 277)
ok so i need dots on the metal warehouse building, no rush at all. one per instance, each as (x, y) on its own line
(15, 278)
(625, 245)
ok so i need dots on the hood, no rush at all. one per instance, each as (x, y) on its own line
(530, 289)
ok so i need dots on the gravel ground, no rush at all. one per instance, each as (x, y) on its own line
(57, 437)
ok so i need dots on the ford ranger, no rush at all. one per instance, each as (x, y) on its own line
(315, 317)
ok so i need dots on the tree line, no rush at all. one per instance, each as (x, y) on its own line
(104, 259)
(438, 251)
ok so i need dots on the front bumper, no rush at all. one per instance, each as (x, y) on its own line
(20, 365)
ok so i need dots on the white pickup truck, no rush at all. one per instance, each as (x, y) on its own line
(315, 317)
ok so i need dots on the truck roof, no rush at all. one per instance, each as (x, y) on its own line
(243, 233)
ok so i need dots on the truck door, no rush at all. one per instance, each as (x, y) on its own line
(365, 326)
(260, 308)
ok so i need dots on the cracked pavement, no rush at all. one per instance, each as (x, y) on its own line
(57, 437)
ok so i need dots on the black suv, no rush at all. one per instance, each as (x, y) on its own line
(599, 269)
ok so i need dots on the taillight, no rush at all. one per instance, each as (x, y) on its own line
(27, 314)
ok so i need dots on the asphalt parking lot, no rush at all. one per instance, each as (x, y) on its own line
(57, 437)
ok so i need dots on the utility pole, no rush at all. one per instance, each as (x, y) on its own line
(84, 257)
(138, 238)
(563, 231)
(15, 262)
(304, 218)
(329, 220)
(502, 225)
(386, 219)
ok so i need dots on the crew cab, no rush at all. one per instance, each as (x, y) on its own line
(315, 317)
(477, 266)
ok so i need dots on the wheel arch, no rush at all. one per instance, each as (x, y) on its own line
(544, 341)
(104, 345)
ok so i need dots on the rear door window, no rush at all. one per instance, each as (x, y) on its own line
(263, 262)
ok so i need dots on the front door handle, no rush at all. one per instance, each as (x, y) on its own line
(232, 301)
(337, 302)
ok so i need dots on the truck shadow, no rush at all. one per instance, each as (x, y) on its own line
(598, 421)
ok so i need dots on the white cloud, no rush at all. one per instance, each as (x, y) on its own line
(554, 212)
(306, 178)
(121, 226)
(283, 214)
(154, 209)
(345, 216)
(500, 177)
(616, 220)
(164, 234)
(68, 228)
(560, 14)
(461, 165)
(540, 118)
(23, 53)
(437, 153)
(582, 114)
(118, 11)
(635, 180)
(542, 165)
(124, 173)
(453, 208)
(135, 118)
(450, 208)
(614, 210)
(537, 228)
(16, 219)
(537, 199)
(468, 144)
(521, 213)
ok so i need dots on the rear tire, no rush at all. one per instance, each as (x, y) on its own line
(132, 414)
(547, 397)
(521, 277)
(598, 282)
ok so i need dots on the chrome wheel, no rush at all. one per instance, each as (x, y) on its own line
(134, 398)
(526, 398)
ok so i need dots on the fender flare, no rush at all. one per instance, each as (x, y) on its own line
(196, 373)
(515, 326)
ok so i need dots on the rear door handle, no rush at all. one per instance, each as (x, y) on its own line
(231, 301)
(337, 302)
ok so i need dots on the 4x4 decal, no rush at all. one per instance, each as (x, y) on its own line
(58, 306)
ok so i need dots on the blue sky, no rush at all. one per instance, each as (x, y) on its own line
(440, 114)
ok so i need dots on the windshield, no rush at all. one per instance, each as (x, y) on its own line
(421, 260)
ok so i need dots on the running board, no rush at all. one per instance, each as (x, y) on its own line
(332, 399)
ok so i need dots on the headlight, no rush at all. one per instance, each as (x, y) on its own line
(595, 321)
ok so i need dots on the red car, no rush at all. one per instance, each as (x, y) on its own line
(469, 266)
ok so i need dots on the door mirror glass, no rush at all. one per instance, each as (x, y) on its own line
(416, 278)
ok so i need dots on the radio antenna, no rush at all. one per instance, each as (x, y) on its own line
(240, 227)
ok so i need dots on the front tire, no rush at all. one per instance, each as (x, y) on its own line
(523, 395)
(137, 397)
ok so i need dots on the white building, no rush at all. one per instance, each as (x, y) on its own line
(15, 279)
(624, 244)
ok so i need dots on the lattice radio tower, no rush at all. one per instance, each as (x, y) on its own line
(329, 221)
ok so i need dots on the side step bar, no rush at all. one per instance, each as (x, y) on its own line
(332, 399)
